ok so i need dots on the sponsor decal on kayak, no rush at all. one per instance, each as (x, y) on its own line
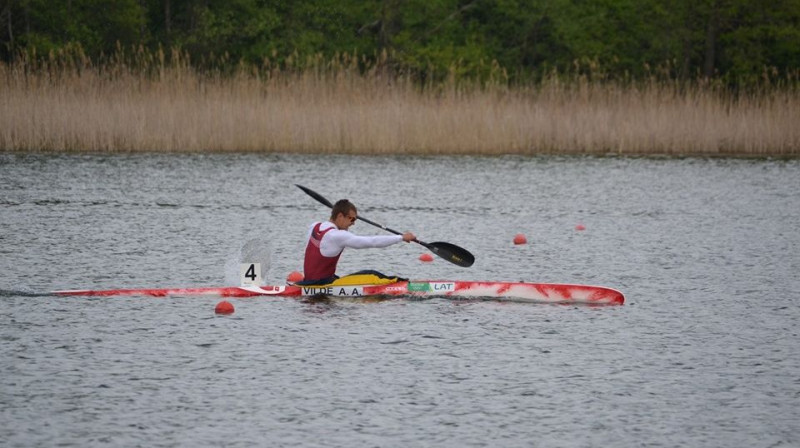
(335, 291)
(418, 287)
(431, 286)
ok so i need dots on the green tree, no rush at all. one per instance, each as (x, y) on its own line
(755, 35)
(474, 39)
(208, 29)
(97, 25)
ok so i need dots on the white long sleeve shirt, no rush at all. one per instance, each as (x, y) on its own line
(334, 242)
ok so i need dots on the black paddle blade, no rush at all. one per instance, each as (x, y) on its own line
(452, 253)
(315, 195)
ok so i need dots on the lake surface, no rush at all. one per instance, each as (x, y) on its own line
(704, 353)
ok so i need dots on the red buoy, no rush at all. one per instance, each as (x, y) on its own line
(520, 239)
(426, 258)
(580, 227)
(224, 307)
(294, 277)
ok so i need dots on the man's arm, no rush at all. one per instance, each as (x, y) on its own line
(336, 240)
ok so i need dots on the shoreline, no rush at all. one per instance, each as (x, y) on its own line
(652, 156)
(566, 154)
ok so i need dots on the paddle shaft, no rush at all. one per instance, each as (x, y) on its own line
(449, 252)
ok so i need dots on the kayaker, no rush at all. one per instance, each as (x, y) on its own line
(327, 240)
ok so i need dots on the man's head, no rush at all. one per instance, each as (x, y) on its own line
(343, 214)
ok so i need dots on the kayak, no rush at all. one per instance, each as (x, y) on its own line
(502, 291)
(368, 284)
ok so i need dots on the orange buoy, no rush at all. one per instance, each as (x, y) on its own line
(580, 227)
(426, 258)
(520, 239)
(294, 277)
(224, 307)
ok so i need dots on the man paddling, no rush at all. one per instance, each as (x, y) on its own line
(327, 240)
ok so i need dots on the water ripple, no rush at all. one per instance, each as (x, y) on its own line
(704, 353)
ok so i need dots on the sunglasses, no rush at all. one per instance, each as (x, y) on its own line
(352, 219)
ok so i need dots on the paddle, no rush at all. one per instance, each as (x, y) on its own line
(449, 252)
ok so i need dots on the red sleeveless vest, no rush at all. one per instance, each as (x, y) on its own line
(317, 266)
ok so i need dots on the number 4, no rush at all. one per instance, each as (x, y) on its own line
(250, 274)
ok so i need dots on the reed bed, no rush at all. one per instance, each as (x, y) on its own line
(81, 107)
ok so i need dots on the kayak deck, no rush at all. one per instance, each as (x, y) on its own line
(504, 291)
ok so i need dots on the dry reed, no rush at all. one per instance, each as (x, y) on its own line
(171, 107)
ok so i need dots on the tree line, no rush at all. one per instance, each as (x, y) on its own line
(737, 41)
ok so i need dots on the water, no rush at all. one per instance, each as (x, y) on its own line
(703, 354)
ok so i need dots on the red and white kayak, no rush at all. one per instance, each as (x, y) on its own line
(503, 291)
